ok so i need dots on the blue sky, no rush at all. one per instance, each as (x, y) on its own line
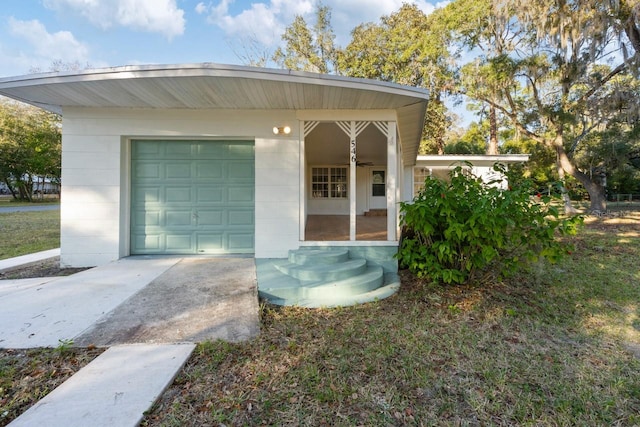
(99, 33)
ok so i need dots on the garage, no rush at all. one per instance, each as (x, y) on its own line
(192, 197)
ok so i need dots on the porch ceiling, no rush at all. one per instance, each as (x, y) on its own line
(213, 86)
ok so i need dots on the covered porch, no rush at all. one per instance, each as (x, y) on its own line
(351, 185)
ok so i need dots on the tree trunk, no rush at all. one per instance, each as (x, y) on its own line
(11, 189)
(492, 149)
(596, 191)
(568, 208)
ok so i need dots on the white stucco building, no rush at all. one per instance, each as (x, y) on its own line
(183, 159)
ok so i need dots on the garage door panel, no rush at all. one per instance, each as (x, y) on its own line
(210, 218)
(147, 149)
(181, 194)
(241, 217)
(143, 195)
(207, 150)
(209, 195)
(148, 170)
(240, 150)
(178, 149)
(177, 218)
(240, 242)
(179, 243)
(210, 242)
(210, 170)
(149, 242)
(192, 197)
(142, 218)
(178, 170)
(240, 171)
(240, 194)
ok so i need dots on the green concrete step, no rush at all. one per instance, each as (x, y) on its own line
(324, 272)
(327, 277)
(372, 278)
(284, 288)
(353, 291)
(318, 256)
(391, 286)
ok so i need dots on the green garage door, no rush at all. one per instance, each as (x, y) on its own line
(192, 197)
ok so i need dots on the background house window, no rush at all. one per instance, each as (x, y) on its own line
(420, 174)
(328, 183)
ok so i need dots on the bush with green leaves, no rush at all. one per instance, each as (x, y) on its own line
(463, 229)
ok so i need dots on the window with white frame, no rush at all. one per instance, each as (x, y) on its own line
(328, 183)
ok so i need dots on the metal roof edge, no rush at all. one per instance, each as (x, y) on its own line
(212, 70)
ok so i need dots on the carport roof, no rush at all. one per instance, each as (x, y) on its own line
(215, 86)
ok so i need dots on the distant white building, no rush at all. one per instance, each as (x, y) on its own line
(481, 166)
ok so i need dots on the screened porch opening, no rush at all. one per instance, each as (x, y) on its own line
(328, 186)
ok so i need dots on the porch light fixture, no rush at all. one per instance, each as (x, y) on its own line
(284, 130)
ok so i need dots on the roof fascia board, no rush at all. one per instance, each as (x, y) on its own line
(212, 70)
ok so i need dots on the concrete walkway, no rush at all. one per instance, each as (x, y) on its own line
(113, 390)
(41, 313)
(123, 382)
(7, 264)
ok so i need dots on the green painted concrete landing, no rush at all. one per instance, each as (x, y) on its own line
(326, 277)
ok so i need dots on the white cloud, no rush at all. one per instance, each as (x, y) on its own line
(40, 48)
(201, 8)
(156, 16)
(266, 21)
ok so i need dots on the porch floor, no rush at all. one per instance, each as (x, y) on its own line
(336, 227)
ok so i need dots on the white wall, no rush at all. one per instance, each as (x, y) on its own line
(488, 175)
(95, 162)
(277, 196)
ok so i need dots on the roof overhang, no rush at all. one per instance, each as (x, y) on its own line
(215, 86)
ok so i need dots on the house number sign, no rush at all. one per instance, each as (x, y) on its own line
(353, 150)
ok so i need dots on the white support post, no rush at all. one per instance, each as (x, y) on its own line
(352, 180)
(392, 182)
(303, 181)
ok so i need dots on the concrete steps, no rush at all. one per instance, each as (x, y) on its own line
(324, 278)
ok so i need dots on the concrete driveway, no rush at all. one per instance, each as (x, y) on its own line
(133, 300)
(148, 310)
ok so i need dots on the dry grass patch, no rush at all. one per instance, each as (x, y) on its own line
(557, 345)
(521, 352)
(26, 376)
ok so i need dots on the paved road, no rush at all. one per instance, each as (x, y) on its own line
(35, 208)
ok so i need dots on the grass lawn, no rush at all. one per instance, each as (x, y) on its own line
(553, 346)
(24, 233)
(556, 345)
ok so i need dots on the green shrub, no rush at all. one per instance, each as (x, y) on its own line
(454, 231)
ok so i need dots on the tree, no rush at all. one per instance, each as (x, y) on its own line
(552, 84)
(30, 146)
(406, 47)
(60, 65)
(309, 49)
(473, 141)
(471, 25)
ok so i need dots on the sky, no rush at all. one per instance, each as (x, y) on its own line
(104, 33)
